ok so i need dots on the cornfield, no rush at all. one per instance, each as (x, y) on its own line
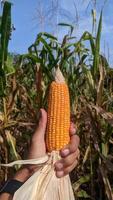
(24, 81)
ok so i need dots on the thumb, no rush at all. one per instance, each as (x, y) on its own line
(41, 128)
(38, 148)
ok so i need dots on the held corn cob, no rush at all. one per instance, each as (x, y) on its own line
(57, 135)
(44, 184)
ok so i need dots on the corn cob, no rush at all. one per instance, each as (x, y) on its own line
(57, 135)
(44, 184)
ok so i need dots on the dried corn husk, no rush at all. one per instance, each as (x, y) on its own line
(44, 185)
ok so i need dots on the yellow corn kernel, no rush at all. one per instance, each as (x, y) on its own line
(57, 135)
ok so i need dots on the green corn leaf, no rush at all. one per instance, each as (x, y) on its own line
(83, 194)
(9, 67)
(1, 87)
(97, 48)
(43, 41)
(94, 19)
(31, 49)
(82, 59)
(82, 180)
(68, 45)
(100, 86)
(68, 25)
(2, 82)
(49, 36)
(105, 149)
(87, 36)
(89, 78)
(31, 57)
(5, 32)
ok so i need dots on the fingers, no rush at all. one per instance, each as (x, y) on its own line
(74, 143)
(70, 159)
(37, 148)
(66, 165)
(67, 170)
(71, 147)
(72, 129)
(42, 122)
(69, 155)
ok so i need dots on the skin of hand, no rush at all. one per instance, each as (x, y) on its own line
(69, 154)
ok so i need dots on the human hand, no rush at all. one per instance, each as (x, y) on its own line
(69, 154)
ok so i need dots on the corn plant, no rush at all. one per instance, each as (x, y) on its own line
(6, 69)
(90, 81)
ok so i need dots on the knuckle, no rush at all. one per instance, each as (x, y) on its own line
(74, 143)
(77, 139)
(73, 148)
(78, 152)
(70, 168)
(67, 162)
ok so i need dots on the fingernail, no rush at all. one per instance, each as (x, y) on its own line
(66, 152)
(59, 166)
(59, 174)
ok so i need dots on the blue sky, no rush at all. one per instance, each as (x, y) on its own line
(27, 16)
